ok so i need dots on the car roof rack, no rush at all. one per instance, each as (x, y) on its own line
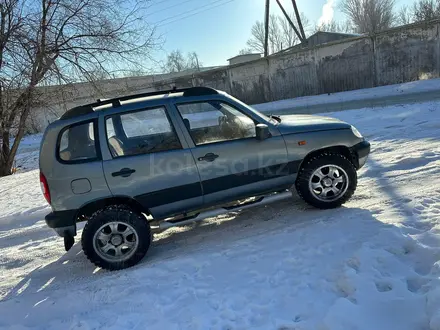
(116, 102)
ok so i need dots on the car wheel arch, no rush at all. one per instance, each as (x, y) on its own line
(88, 209)
(341, 149)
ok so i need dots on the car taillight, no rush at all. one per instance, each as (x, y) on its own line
(44, 187)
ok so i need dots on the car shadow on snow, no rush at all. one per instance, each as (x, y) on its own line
(289, 216)
(24, 219)
(401, 204)
(70, 268)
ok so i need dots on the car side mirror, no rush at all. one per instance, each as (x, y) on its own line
(262, 132)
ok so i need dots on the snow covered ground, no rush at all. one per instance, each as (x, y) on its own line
(372, 264)
(409, 88)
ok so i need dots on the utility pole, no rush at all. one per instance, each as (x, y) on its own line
(266, 30)
(301, 38)
(298, 19)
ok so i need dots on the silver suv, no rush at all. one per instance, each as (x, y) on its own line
(173, 157)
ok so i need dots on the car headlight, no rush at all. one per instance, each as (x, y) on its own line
(356, 132)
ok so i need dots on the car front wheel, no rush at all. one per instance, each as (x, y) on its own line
(327, 181)
(116, 238)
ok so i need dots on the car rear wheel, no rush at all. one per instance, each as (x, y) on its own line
(116, 237)
(327, 181)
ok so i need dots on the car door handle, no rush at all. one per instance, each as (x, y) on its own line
(125, 172)
(209, 157)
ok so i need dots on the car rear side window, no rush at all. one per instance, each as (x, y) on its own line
(141, 132)
(77, 143)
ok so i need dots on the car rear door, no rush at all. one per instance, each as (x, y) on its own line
(146, 158)
(232, 163)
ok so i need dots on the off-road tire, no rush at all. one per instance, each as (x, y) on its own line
(307, 169)
(124, 214)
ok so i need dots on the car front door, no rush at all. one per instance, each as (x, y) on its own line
(148, 160)
(232, 163)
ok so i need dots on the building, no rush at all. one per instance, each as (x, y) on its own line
(244, 58)
(319, 38)
(322, 37)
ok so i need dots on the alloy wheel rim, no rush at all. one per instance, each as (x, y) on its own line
(115, 241)
(328, 183)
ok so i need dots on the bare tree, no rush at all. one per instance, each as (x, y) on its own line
(245, 51)
(404, 16)
(422, 10)
(59, 41)
(289, 37)
(177, 62)
(256, 41)
(193, 61)
(281, 34)
(333, 26)
(369, 16)
(425, 10)
(275, 35)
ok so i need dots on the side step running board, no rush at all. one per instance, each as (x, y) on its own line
(222, 210)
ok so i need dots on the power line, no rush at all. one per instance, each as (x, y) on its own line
(192, 12)
(189, 11)
(196, 13)
(163, 9)
(158, 3)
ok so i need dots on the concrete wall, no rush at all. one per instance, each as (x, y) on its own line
(345, 66)
(322, 37)
(293, 74)
(250, 81)
(394, 56)
(407, 54)
(398, 55)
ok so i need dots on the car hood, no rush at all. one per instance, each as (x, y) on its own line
(308, 123)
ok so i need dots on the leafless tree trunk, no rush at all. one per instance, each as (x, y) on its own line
(275, 35)
(48, 42)
(369, 16)
(193, 61)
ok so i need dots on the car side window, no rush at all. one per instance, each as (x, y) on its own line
(141, 132)
(215, 121)
(110, 127)
(77, 143)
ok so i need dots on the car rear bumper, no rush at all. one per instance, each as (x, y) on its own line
(63, 222)
(360, 152)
